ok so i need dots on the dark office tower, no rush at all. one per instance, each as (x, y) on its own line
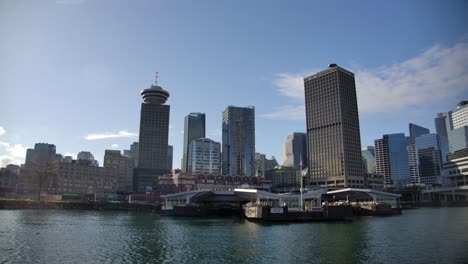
(194, 128)
(382, 160)
(239, 141)
(415, 132)
(333, 137)
(154, 134)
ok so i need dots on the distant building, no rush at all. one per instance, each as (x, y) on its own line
(194, 128)
(295, 150)
(132, 153)
(153, 140)
(124, 166)
(460, 115)
(284, 179)
(442, 125)
(238, 141)
(204, 156)
(368, 158)
(9, 178)
(415, 131)
(458, 139)
(262, 164)
(456, 167)
(87, 156)
(392, 161)
(41, 153)
(333, 136)
(429, 159)
(374, 181)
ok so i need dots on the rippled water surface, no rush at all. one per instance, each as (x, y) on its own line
(417, 236)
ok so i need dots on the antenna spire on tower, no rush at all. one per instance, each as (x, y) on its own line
(156, 79)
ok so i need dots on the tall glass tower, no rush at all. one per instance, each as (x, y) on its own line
(239, 141)
(333, 137)
(154, 136)
(194, 128)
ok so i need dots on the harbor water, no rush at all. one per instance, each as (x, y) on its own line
(426, 235)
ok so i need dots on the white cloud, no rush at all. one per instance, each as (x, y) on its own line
(437, 74)
(114, 146)
(120, 134)
(11, 154)
(291, 112)
(182, 132)
(2, 131)
(73, 155)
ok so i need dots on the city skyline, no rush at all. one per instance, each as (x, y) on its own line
(65, 71)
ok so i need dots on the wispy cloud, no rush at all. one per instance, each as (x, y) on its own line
(120, 134)
(216, 133)
(291, 112)
(114, 146)
(2, 131)
(437, 74)
(11, 154)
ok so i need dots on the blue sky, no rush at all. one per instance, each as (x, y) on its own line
(71, 70)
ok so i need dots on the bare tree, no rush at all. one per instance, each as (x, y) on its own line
(44, 174)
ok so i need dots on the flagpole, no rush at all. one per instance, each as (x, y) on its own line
(300, 174)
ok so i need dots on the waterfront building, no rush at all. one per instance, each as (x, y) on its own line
(458, 138)
(238, 134)
(333, 137)
(456, 168)
(82, 177)
(284, 179)
(204, 156)
(392, 160)
(194, 128)
(153, 139)
(368, 158)
(374, 181)
(415, 131)
(270, 164)
(9, 178)
(429, 159)
(260, 164)
(295, 150)
(124, 166)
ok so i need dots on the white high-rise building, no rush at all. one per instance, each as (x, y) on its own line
(204, 156)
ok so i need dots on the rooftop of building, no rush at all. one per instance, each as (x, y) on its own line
(331, 68)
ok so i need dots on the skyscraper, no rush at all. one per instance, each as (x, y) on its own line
(442, 125)
(415, 132)
(333, 136)
(392, 161)
(153, 140)
(238, 141)
(295, 150)
(458, 136)
(194, 128)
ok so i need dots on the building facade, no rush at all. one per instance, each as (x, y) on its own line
(382, 161)
(204, 156)
(415, 131)
(392, 160)
(194, 128)
(124, 166)
(284, 179)
(132, 153)
(333, 136)
(456, 168)
(295, 150)
(238, 134)
(429, 159)
(153, 139)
